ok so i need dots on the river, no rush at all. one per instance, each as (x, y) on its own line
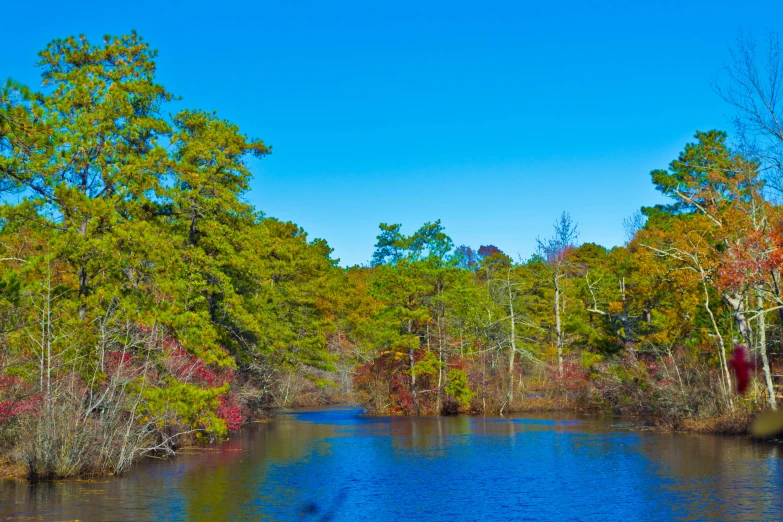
(337, 464)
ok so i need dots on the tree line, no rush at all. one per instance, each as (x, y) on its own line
(647, 328)
(140, 294)
(145, 303)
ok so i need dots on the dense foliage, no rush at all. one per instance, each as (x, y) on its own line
(645, 329)
(141, 295)
(144, 302)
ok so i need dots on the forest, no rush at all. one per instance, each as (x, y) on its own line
(144, 304)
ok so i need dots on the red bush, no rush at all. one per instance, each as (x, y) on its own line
(230, 411)
(16, 399)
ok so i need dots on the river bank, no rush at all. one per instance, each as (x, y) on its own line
(533, 466)
(733, 424)
(11, 471)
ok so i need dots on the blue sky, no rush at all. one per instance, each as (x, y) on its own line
(493, 118)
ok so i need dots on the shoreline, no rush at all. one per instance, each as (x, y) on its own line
(724, 426)
(11, 471)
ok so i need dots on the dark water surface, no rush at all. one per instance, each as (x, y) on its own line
(336, 464)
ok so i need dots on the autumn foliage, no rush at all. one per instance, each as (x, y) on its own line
(144, 303)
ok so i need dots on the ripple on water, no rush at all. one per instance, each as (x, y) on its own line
(337, 464)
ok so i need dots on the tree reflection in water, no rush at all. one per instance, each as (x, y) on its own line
(336, 464)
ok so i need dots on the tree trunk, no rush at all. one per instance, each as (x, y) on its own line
(776, 287)
(558, 330)
(722, 353)
(48, 332)
(82, 275)
(512, 348)
(442, 332)
(762, 340)
(82, 270)
(412, 362)
(738, 309)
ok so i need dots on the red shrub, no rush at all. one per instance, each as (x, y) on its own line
(16, 399)
(186, 367)
(230, 411)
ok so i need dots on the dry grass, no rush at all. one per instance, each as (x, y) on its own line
(734, 423)
(11, 471)
(542, 404)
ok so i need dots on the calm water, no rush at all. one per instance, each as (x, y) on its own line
(336, 464)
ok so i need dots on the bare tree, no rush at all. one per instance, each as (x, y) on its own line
(692, 260)
(623, 323)
(506, 292)
(633, 224)
(100, 422)
(751, 83)
(555, 253)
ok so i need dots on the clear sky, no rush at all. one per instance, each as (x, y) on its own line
(493, 117)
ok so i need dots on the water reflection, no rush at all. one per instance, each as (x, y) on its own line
(335, 464)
